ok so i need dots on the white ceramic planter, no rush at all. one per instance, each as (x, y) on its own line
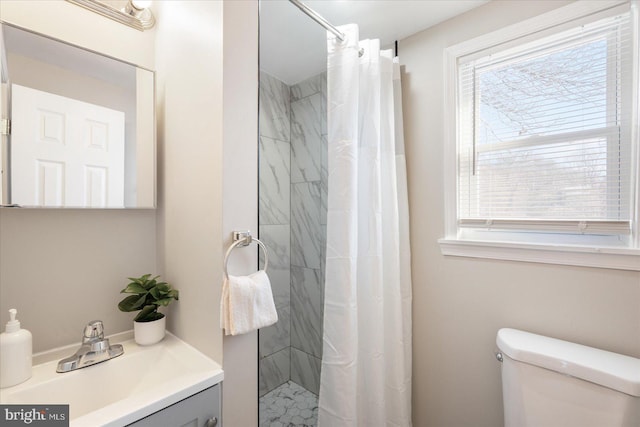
(147, 333)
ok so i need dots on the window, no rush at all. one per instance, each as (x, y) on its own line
(544, 145)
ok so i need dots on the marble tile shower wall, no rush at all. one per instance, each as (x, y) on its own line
(292, 217)
(274, 213)
(308, 228)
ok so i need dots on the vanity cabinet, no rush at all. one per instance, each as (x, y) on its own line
(200, 410)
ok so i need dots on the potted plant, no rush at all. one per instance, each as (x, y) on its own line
(147, 295)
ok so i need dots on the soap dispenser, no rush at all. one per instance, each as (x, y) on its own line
(15, 353)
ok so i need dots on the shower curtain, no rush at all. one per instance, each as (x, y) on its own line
(366, 362)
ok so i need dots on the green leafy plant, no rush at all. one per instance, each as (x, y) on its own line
(148, 296)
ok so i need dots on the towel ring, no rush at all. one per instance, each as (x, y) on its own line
(245, 242)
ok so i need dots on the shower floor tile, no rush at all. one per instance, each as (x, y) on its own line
(289, 405)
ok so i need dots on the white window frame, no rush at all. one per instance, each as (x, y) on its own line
(560, 248)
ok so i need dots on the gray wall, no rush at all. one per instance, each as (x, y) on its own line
(61, 268)
(460, 303)
(240, 189)
(189, 99)
(293, 226)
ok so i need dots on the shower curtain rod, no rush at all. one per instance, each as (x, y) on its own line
(319, 19)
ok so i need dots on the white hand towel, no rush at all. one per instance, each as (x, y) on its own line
(247, 303)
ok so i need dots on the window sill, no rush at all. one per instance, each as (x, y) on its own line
(600, 257)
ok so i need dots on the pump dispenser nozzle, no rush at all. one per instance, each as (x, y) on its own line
(13, 325)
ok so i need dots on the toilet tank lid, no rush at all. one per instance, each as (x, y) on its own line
(612, 370)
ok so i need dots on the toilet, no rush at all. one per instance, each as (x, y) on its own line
(548, 382)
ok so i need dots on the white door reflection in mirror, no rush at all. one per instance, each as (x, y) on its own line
(65, 152)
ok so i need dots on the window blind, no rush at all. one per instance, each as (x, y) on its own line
(544, 133)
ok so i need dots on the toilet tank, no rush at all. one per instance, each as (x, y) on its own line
(548, 382)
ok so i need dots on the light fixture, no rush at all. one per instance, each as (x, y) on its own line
(134, 13)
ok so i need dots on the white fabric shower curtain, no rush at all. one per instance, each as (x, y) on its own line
(366, 362)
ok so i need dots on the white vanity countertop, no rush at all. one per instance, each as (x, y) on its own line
(122, 390)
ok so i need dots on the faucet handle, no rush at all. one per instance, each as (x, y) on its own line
(93, 330)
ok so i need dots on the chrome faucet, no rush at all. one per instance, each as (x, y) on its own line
(95, 348)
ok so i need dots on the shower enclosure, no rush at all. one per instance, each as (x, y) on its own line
(365, 351)
(292, 222)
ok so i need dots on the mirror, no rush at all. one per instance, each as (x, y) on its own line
(82, 126)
